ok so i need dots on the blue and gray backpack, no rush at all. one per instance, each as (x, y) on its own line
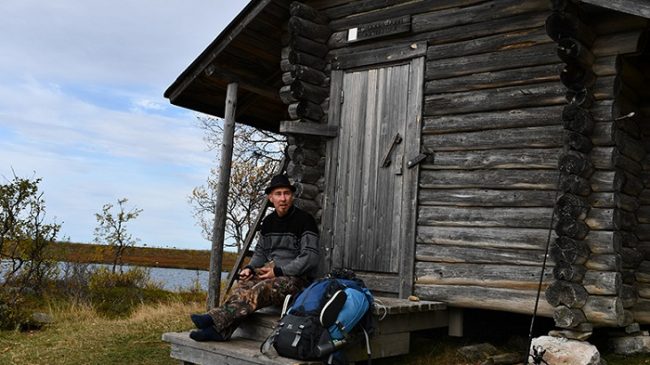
(320, 320)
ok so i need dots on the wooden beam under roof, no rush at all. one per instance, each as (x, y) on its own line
(221, 43)
(635, 7)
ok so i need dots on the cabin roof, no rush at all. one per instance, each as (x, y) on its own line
(248, 52)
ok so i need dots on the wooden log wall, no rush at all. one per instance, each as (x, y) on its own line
(305, 91)
(492, 131)
(619, 150)
(635, 71)
(602, 147)
(574, 217)
(520, 97)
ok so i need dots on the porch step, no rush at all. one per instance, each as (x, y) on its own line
(397, 318)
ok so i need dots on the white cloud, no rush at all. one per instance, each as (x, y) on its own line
(81, 106)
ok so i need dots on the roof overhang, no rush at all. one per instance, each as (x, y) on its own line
(635, 7)
(247, 52)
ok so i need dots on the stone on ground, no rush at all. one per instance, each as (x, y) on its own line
(630, 345)
(480, 352)
(563, 351)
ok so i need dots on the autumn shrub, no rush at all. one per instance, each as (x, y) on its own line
(117, 294)
(12, 311)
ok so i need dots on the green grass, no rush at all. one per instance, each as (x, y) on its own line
(81, 336)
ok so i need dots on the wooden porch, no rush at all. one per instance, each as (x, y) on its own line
(397, 318)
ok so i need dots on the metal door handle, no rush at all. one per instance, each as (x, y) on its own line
(397, 140)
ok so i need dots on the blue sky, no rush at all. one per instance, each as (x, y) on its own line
(81, 106)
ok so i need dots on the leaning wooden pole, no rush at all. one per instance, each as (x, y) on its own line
(221, 199)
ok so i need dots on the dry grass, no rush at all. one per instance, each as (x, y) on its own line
(80, 336)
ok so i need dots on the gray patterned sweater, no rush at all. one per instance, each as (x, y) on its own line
(291, 242)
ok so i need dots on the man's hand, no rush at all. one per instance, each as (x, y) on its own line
(245, 274)
(265, 272)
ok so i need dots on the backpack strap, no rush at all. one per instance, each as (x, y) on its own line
(332, 308)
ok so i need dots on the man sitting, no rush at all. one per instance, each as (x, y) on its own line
(285, 260)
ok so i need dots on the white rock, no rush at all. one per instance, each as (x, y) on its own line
(562, 351)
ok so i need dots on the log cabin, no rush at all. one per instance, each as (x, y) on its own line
(446, 146)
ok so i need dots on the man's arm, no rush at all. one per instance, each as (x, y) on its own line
(259, 255)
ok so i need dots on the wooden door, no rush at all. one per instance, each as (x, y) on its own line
(372, 203)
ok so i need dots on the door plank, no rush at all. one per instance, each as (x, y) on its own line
(410, 192)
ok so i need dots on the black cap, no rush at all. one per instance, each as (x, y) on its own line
(279, 181)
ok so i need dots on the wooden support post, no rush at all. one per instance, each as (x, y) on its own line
(219, 227)
(455, 322)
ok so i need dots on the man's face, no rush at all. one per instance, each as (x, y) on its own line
(282, 199)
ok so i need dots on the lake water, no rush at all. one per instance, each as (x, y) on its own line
(175, 279)
(170, 279)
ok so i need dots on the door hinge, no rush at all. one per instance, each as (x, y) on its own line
(342, 97)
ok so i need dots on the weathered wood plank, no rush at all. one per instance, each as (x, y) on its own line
(609, 158)
(398, 309)
(602, 282)
(480, 255)
(486, 197)
(371, 160)
(304, 11)
(605, 66)
(605, 262)
(512, 118)
(487, 275)
(240, 352)
(351, 83)
(355, 99)
(603, 181)
(641, 311)
(490, 179)
(309, 128)
(603, 242)
(379, 55)
(518, 58)
(604, 310)
(331, 256)
(485, 237)
(618, 43)
(615, 200)
(409, 204)
(544, 137)
(518, 301)
(490, 43)
(383, 283)
(503, 98)
(535, 217)
(474, 14)
(341, 8)
(362, 12)
(468, 32)
(492, 79)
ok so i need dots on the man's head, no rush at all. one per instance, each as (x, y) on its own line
(280, 193)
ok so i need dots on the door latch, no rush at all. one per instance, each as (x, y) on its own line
(397, 140)
(416, 160)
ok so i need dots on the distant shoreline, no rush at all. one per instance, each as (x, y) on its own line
(142, 256)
